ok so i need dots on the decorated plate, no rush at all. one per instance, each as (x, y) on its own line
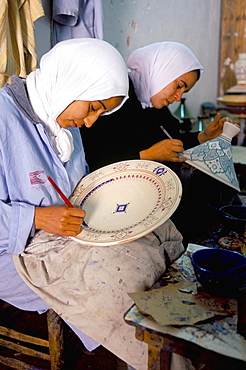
(125, 201)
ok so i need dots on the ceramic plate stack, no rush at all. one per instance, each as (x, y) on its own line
(234, 96)
(238, 100)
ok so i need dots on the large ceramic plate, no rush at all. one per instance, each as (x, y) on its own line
(126, 200)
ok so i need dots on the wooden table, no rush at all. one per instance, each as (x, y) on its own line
(215, 343)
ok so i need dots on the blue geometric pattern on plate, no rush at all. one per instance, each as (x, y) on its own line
(214, 157)
(121, 207)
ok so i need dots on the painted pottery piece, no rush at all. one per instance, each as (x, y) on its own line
(126, 200)
(214, 157)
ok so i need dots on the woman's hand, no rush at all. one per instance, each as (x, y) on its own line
(60, 220)
(164, 151)
(213, 129)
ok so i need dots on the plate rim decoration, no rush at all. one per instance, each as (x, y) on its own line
(148, 176)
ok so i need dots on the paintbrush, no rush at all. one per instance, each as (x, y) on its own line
(165, 132)
(63, 196)
(68, 203)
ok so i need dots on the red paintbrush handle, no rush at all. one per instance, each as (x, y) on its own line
(60, 192)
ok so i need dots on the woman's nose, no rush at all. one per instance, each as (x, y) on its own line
(178, 95)
(90, 120)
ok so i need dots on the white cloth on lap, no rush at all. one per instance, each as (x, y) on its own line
(87, 285)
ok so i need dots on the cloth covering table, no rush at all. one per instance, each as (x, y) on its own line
(218, 335)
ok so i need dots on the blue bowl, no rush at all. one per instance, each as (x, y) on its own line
(234, 218)
(210, 266)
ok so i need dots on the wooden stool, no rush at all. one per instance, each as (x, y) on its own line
(38, 353)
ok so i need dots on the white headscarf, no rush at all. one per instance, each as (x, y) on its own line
(155, 66)
(78, 69)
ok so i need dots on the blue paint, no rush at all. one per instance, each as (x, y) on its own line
(181, 319)
(189, 303)
(94, 262)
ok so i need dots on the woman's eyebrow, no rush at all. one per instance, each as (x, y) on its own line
(185, 84)
(102, 104)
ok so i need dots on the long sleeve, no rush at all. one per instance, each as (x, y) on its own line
(26, 159)
(76, 18)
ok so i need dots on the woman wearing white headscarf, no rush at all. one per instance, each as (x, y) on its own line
(62, 79)
(160, 73)
(154, 67)
(78, 80)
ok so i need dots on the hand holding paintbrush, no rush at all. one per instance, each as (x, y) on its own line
(60, 219)
(60, 192)
(66, 200)
(166, 150)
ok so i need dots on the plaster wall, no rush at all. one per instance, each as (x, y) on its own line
(129, 24)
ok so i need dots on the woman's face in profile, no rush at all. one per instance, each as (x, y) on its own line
(80, 113)
(174, 91)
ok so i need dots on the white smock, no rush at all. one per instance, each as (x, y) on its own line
(88, 285)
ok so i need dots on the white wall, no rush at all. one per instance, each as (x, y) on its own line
(129, 24)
